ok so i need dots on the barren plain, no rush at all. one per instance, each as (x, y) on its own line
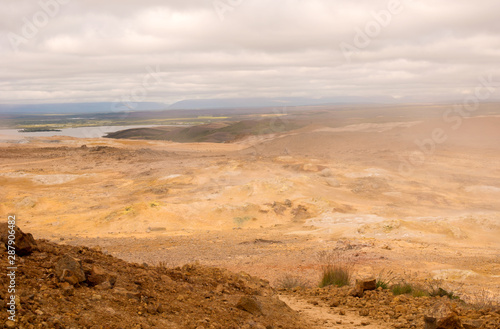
(417, 196)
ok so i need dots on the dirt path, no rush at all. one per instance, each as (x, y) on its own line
(322, 317)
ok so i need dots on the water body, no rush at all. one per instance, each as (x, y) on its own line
(80, 132)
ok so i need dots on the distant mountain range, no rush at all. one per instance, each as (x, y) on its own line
(191, 104)
(194, 104)
(75, 108)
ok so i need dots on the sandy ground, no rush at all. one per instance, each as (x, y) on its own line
(268, 205)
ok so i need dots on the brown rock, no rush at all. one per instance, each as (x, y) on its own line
(10, 324)
(99, 276)
(334, 303)
(70, 270)
(367, 284)
(250, 304)
(24, 242)
(103, 286)
(441, 316)
(362, 286)
(67, 288)
(452, 321)
(472, 324)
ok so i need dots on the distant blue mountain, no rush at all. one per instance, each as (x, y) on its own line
(75, 108)
(197, 104)
(190, 104)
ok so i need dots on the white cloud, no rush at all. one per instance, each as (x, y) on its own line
(96, 51)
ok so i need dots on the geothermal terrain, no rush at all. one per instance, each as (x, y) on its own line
(404, 193)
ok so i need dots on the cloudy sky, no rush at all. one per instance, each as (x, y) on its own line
(166, 51)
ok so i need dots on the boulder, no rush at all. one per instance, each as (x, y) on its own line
(24, 242)
(441, 316)
(362, 286)
(98, 276)
(69, 269)
(250, 304)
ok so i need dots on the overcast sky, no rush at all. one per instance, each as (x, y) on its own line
(93, 51)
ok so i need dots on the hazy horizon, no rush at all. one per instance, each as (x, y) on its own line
(130, 52)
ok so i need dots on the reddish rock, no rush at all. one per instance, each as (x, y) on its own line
(98, 276)
(249, 304)
(24, 242)
(69, 269)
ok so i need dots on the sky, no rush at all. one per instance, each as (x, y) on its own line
(60, 51)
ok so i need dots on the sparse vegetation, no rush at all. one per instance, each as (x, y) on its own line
(337, 270)
(385, 279)
(290, 281)
(402, 288)
(335, 275)
(154, 204)
(239, 221)
(443, 293)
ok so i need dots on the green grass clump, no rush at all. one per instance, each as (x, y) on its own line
(402, 289)
(416, 292)
(382, 284)
(335, 275)
(385, 279)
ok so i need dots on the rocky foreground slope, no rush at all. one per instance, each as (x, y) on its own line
(78, 287)
(60, 286)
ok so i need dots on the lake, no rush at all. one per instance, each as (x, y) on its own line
(80, 132)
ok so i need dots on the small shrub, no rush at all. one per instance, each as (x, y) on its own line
(335, 275)
(435, 288)
(416, 292)
(385, 279)
(402, 288)
(162, 267)
(337, 269)
(289, 281)
(382, 284)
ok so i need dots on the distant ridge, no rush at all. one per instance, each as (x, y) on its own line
(68, 108)
(189, 104)
(197, 104)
